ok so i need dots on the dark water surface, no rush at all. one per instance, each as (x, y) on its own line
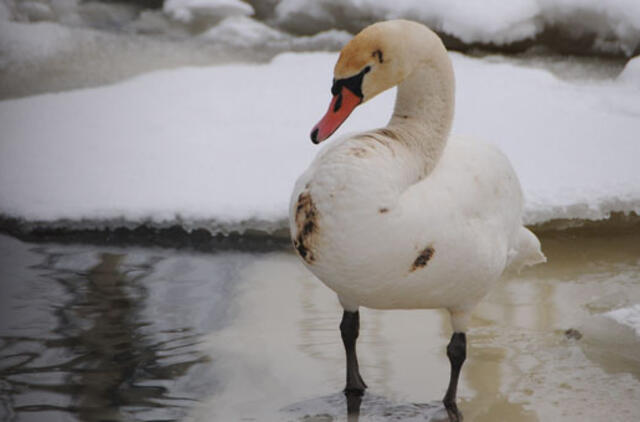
(92, 333)
(99, 333)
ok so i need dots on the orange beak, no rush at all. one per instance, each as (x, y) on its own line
(340, 108)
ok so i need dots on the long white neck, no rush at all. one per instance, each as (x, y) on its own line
(424, 107)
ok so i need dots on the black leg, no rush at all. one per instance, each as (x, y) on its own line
(349, 328)
(457, 353)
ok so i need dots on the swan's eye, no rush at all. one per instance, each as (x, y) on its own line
(378, 55)
(366, 69)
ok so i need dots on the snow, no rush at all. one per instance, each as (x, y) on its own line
(572, 144)
(89, 43)
(36, 11)
(242, 31)
(611, 27)
(186, 10)
(629, 317)
(631, 72)
(614, 24)
(220, 147)
(614, 333)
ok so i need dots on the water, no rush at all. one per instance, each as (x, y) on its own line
(93, 333)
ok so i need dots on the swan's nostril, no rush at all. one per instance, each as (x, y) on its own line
(338, 103)
(314, 136)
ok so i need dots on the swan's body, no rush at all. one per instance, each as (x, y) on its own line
(374, 219)
(404, 217)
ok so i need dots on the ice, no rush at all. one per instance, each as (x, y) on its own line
(614, 25)
(72, 57)
(246, 32)
(571, 143)
(614, 333)
(36, 10)
(48, 57)
(629, 317)
(106, 16)
(577, 26)
(492, 21)
(631, 73)
(81, 44)
(187, 10)
(220, 147)
(64, 11)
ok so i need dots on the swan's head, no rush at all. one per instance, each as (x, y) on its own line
(375, 60)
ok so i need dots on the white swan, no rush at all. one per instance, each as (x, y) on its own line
(406, 217)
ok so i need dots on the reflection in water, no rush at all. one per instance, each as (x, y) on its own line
(354, 401)
(521, 366)
(109, 357)
(96, 336)
(92, 333)
(104, 325)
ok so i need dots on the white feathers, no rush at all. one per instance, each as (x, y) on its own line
(407, 218)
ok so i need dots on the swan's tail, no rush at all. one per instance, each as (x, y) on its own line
(526, 251)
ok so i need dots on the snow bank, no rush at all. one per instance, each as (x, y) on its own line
(242, 31)
(614, 25)
(631, 72)
(577, 26)
(573, 144)
(220, 147)
(187, 10)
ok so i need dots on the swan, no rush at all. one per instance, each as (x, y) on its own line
(405, 217)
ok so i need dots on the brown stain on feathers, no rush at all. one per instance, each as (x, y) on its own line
(306, 225)
(358, 152)
(374, 139)
(422, 259)
(386, 133)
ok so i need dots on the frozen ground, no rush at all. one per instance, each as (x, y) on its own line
(219, 148)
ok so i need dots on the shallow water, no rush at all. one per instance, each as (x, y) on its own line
(99, 333)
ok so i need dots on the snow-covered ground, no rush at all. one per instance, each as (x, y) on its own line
(220, 147)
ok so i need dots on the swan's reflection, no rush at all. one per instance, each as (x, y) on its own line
(89, 350)
(354, 401)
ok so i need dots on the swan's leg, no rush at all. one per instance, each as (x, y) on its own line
(349, 328)
(457, 352)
